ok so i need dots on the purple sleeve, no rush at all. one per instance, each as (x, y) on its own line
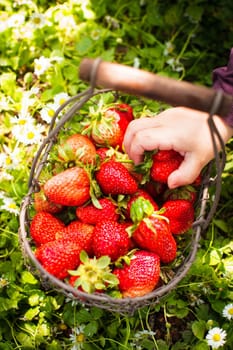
(223, 80)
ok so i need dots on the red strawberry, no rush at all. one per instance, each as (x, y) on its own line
(70, 187)
(77, 147)
(78, 232)
(140, 193)
(155, 189)
(92, 215)
(141, 276)
(108, 125)
(180, 213)
(59, 256)
(114, 178)
(42, 203)
(164, 163)
(124, 110)
(102, 153)
(153, 234)
(184, 192)
(110, 238)
(44, 226)
(151, 230)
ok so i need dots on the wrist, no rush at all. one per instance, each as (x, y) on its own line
(225, 130)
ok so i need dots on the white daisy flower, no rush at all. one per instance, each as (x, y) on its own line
(144, 333)
(3, 25)
(169, 47)
(67, 23)
(95, 34)
(5, 103)
(10, 205)
(24, 2)
(38, 20)
(77, 337)
(4, 176)
(48, 112)
(60, 98)
(24, 32)
(28, 134)
(22, 119)
(216, 337)
(228, 311)
(16, 20)
(41, 65)
(3, 281)
(9, 159)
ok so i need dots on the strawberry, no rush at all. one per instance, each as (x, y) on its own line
(151, 230)
(42, 203)
(140, 193)
(154, 234)
(140, 276)
(108, 125)
(77, 148)
(70, 187)
(187, 192)
(79, 232)
(155, 189)
(59, 256)
(93, 275)
(124, 110)
(110, 238)
(102, 152)
(44, 226)
(92, 215)
(180, 213)
(113, 178)
(164, 163)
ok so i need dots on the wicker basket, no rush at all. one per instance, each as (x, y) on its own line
(205, 211)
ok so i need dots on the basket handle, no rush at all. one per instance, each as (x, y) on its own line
(139, 82)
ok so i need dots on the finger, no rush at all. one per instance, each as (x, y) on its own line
(187, 173)
(136, 126)
(148, 140)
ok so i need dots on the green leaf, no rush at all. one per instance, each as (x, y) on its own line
(83, 45)
(199, 329)
(32, 313)
(84, 316)
(215, 257)
(221, 224)
(202, 345)
(27, 277)
(91, 328)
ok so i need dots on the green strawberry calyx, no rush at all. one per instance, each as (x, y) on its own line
(94, 274)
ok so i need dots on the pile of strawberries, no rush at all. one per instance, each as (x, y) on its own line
(100, 223)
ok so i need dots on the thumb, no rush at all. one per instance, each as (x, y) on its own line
(186, 174)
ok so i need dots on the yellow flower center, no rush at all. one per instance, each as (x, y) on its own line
(80, 338)
(30, 135)
(216, 337)
(22, 122)
(12, 206)
(61, 101)
(230, 311)
(51, 112)
(37, 20)
(8, 161)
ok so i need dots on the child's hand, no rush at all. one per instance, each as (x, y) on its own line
(182, 129)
